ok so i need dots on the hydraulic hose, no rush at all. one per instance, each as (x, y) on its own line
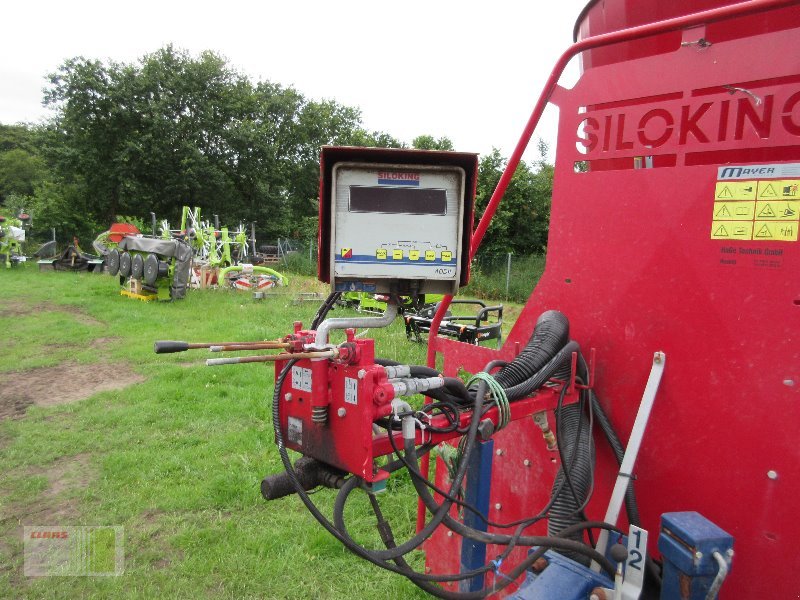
(577, 471)
(374, 557)
(500, 539)
(556, 365)
(442, 510)
(547, 355)
(550, 334)
(631, 507)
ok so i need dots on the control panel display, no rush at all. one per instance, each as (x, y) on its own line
(394, 224)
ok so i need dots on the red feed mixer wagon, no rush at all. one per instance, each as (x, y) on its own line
(635, 435)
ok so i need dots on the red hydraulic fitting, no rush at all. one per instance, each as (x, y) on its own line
(348, 354)
(382, 390)
(299, 339)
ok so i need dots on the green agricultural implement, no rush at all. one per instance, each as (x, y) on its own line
(252, 278)
(376, 303)
(12, 234)
(158, 264)
(213, 245)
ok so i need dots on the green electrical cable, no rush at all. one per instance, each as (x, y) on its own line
(498, 395)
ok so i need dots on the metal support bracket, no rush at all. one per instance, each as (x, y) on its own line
(632, 450)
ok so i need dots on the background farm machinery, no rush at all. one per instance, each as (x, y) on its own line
(12, 236)
(198, 254)
(473, 322)
(223, 256)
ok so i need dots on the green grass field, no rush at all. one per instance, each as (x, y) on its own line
(175, 456)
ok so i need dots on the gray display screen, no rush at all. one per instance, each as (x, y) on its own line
(398, 200)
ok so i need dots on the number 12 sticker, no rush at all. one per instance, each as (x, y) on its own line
(634, 566)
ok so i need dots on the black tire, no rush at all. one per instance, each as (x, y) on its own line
(125, 265)
(137, 266)
(112, 262)
(150, 269)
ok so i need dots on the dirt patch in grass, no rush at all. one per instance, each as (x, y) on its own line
(102, 342)
(64, 383)
(22, 309)
(50, 507)
(64, 474)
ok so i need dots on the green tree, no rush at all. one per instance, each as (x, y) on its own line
(428, 142)
(373, 139)
(175, 129)
(21, 166)
(521, 222)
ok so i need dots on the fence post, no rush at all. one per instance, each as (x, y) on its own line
(508, 274)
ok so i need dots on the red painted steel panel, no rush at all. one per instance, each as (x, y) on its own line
(633, 263)
(603, 17)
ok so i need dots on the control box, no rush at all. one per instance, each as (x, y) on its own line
(396, 221)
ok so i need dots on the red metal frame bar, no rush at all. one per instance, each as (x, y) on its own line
(615, 37)
(572, 374)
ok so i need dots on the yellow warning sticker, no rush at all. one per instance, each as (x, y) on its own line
(735, 190)
(771, 231)
(413, 254)
(381, 253)
(778, 210)
(397, 254)
(731, 230)
(783, 189)
(430, 255)
(734, 211)
(347, 253)
(447, 255)
(765, 211)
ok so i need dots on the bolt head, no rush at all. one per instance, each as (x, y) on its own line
(362, 373)
(498, 506)
(499, 452)
(772, 474)
(698, 555)
(341, 412)
(526, 462)
(540, 565)
(288, 397)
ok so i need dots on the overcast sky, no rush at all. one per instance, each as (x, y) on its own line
(467, 70)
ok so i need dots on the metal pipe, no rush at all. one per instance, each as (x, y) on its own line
(169, 346)
(213, 362)
(327, 325)
(408, 387)
(397, 371)
(239, 347)
(720, 578)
